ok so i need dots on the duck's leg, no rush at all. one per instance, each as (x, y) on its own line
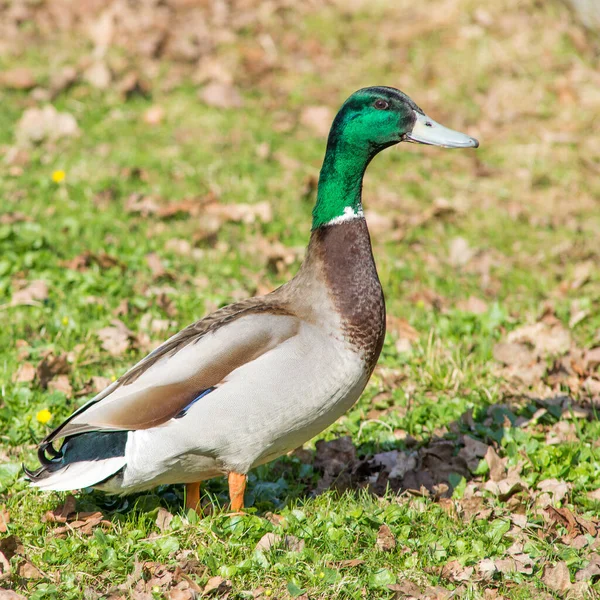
(237, 487)
(192, 496)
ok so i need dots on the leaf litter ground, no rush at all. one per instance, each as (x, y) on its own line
(164, 163)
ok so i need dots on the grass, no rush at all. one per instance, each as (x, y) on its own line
(526, 203)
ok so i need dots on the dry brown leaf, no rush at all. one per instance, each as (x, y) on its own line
(8, 594)
(33, 294)
(346, 564)
(460, 253)
(28, 570)
(131, 85)
(50, 366)
(39, 124)
(473, 451)
(24, 374)
(454, 571)
(591, 571)
(14, 217)
(241, 213)
(486, 568)
(405, 589)
(5, 569)
(473, 305)
(496, 464)
(273, 540)
(156, 266)
(553, 491)
(562, 432)
(474, 507)
(94, 386)
(98, 75)
(11, 546)
(19, 78)
(582, 273)
(519, 563)
(336, 459)
(216, 584)
(401, 328)
(557, 577)
(138, 203)
(61, 513)
(317, 118)
(592, 358)
(221, 95)
(4, 519)
(154, 115)
(546, 339)
(513, 354)
(62, 79)
(116, 338)
(61, 383)
(84, 260)
(385, 539)
(163, 519)
(178, 594)
(179, 246)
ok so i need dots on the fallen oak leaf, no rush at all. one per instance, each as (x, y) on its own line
(241, 213)
(8, 594)
(454, 571)
(591, 571)
(116, 338)
(156, 267)
(317, 118)
(221, 95)
(24, 374)
(218, 584)
(19, 78)
(32, 295)
(61, 383)
(50, 366)
(86, 259)
(385, 539)
(4, 519)
(346, 564)
(94, 386)
(39, 124)
(287, 542)
(557, 577)
(406, 589)
(61, 513)
(496, 464)
(163, 519)
(28, 570)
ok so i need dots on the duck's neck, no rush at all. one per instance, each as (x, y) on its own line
(340, 182)
(340, 247)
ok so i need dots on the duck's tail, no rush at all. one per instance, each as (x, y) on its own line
(84, 460)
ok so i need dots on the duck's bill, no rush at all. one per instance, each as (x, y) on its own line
(427, 131)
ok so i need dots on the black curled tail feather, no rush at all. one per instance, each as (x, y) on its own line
(49, 465)
(89, 446)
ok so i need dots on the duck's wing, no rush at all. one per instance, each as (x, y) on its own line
(179, 372)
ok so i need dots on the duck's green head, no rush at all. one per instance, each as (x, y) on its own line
(375, 118)
(371, 120)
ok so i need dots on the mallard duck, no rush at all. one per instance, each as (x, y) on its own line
(260, 377)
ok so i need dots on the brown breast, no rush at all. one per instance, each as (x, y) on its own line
(346, 261)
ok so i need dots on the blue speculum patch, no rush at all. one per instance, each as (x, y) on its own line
(184, 410)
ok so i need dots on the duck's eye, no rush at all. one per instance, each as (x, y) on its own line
(380, 104)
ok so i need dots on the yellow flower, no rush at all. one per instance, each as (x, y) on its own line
(113, 377)
(58, 176)
(43, 416)
(65, 320)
